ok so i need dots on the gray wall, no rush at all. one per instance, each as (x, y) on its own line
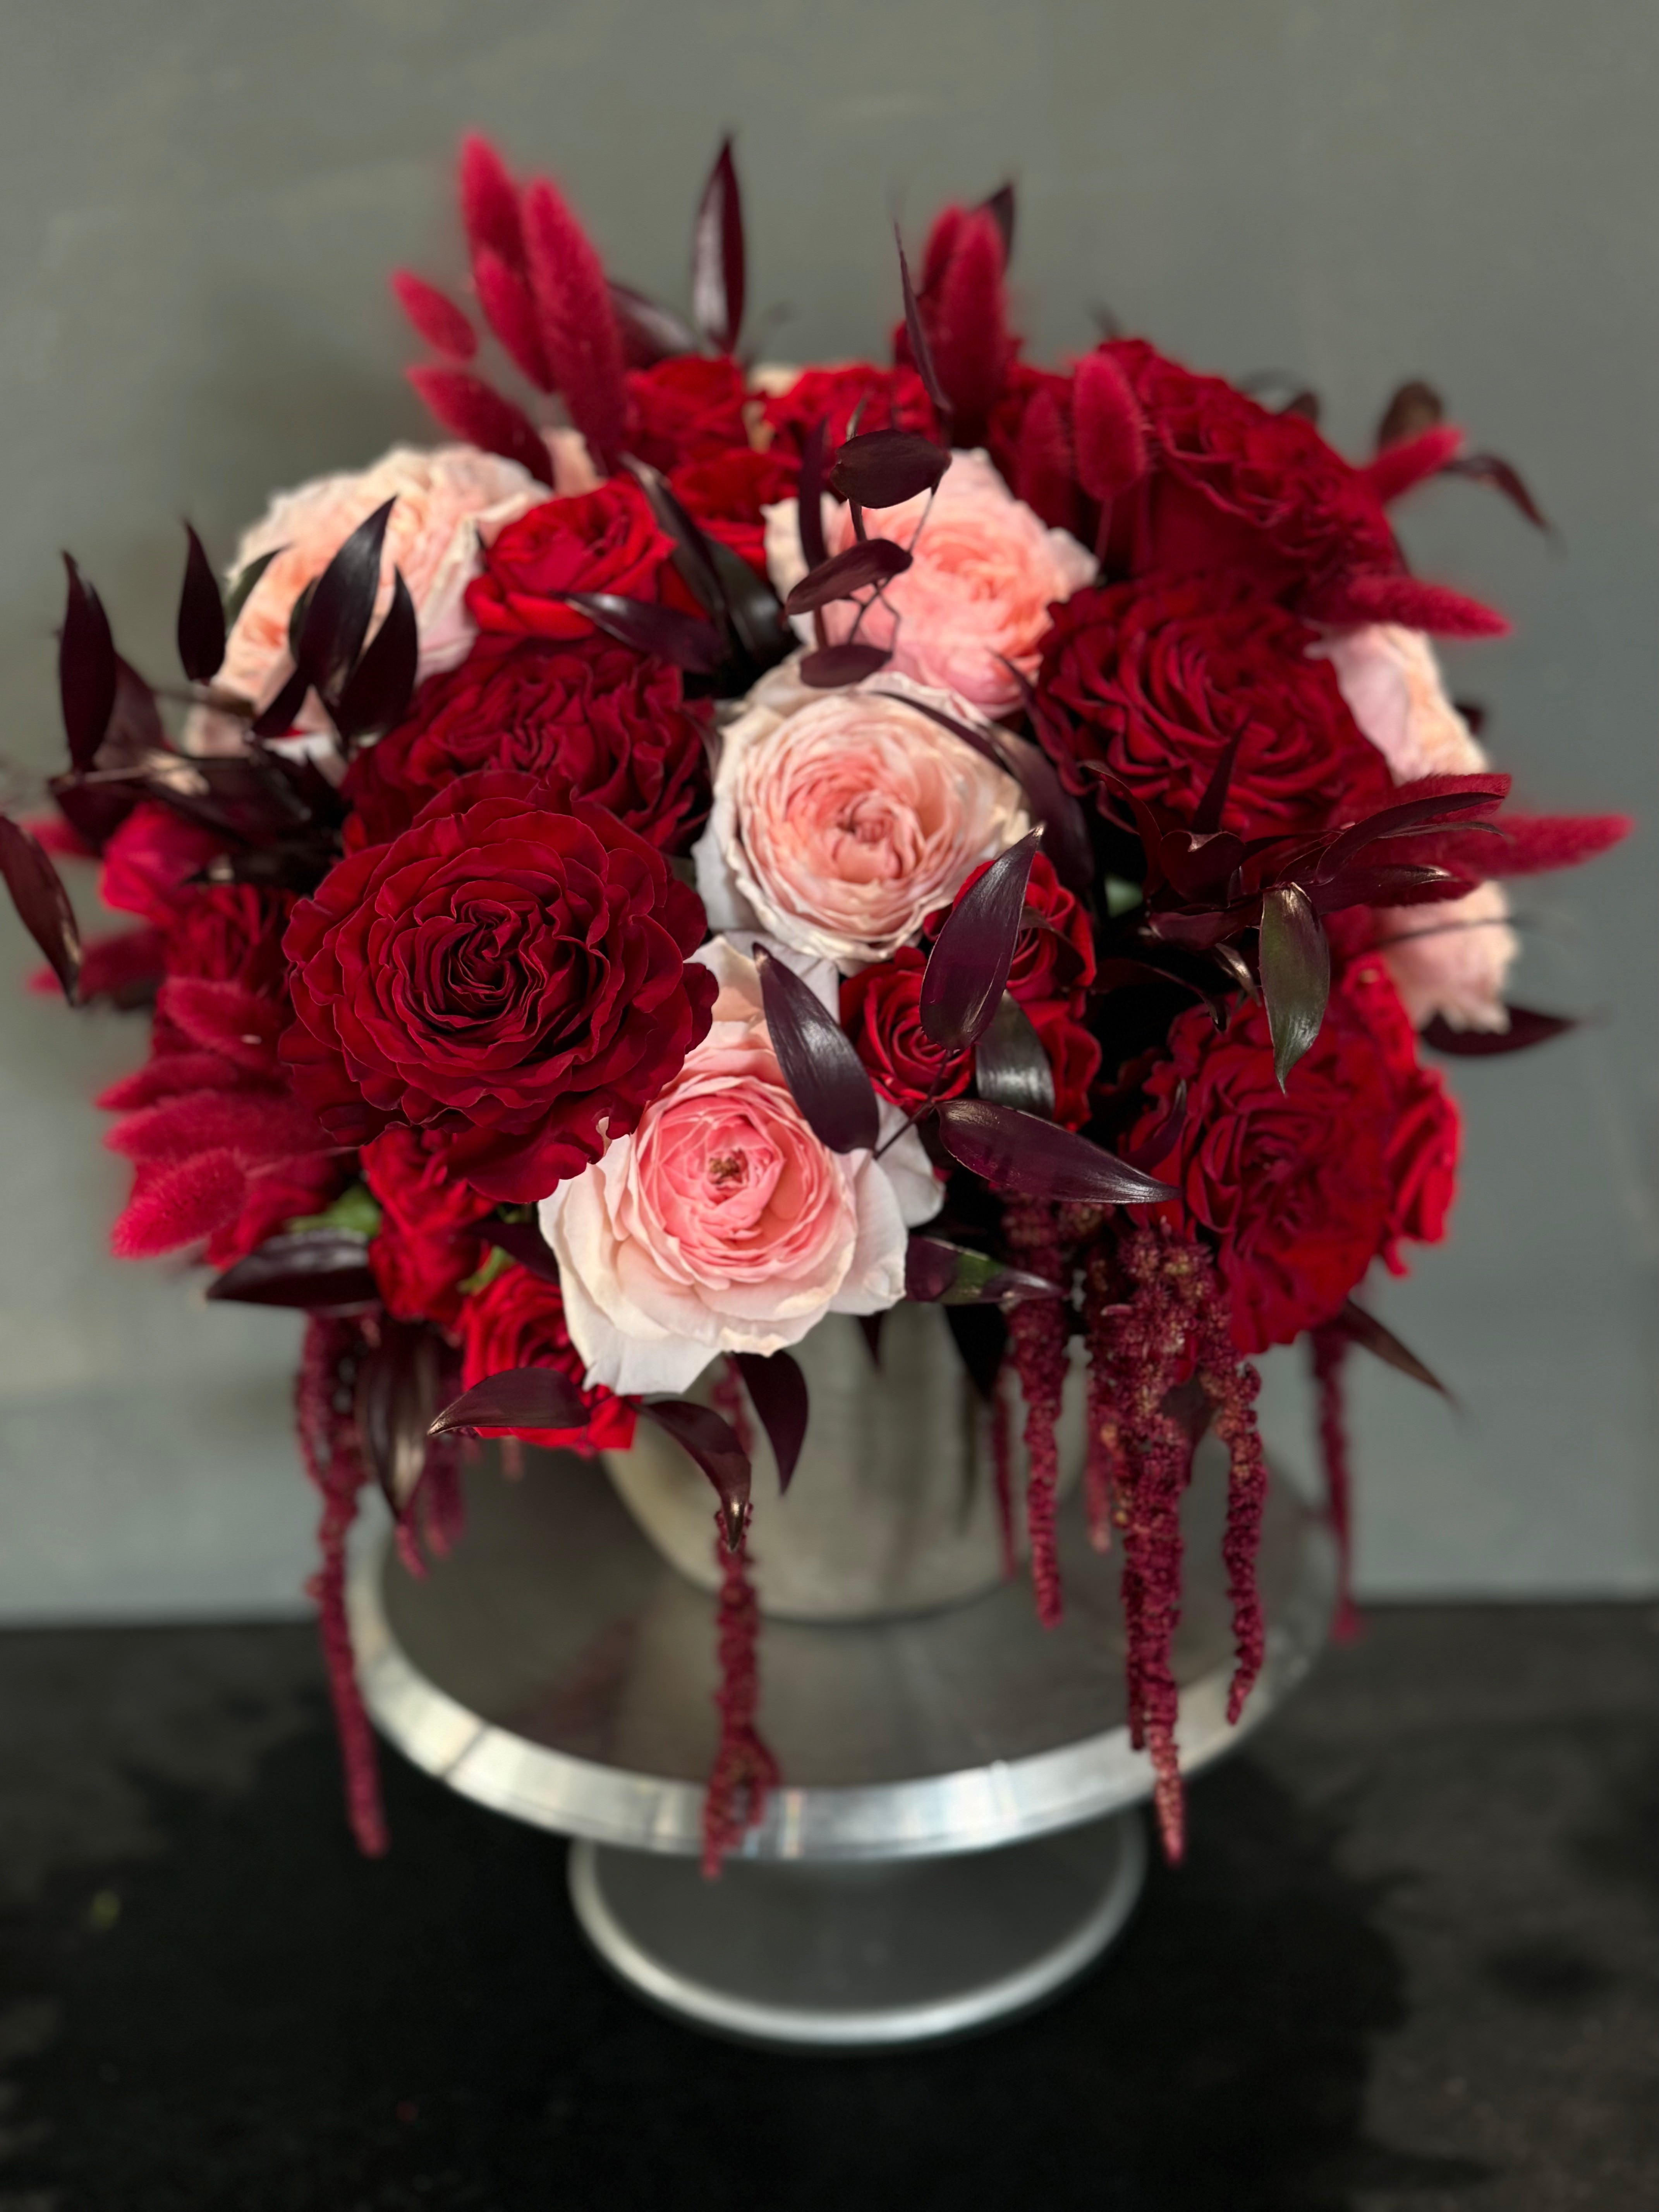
(198, 201)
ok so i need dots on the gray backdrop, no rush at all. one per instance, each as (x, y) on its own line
(198, 203)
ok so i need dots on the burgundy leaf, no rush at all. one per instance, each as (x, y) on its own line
(1000, 208)
(470, 409)
(1011, 1065)
(201, 625)
(397, 1391)
(1025, 1158)
(1404, 886)
(242, 584)
(86, 669)
(1206, 818)
(832, 667)
(650, 331)
(310, 1268)
(693, 548)
(751, 606)
(380, 688)
(1526, 1029)
(938, 1274)
(1431, 805)
(433, 316)
(777, 1390)
(1503, 476)
(337, 621)
(42, 903)
(1365, 1329)
(1162, 1138)
(1067, 830)
(872, 561)
(94, 812)
(967, 970)
(717, 255)
(1296, 973)
(523, 1241)
(921, 353)
(825, 1076)
(518, 1398)
(1415, 407)
(883, 468)
(809, 504)
(700, 1430)
(504, 295)
(684, 640)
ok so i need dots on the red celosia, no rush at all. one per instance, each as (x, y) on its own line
(579, 337)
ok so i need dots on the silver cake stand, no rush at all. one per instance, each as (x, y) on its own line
(958, 1836)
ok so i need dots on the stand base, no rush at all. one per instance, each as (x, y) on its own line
(860, 1957)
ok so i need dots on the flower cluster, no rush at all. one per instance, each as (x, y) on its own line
(779, 841)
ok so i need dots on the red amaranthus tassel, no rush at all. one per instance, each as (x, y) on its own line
(1329, 1348)
(745, 1771)
(1037, 1338)
(1232, 1386)
(333, 1459)
(1002, 1477)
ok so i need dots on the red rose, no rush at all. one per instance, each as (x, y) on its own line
(1303, 1188)
(687, 409)
(601, 541)
(1235, 485)
(610, 722)
(427, 1244)
(1074, 1058)
(1054, 953)
(1158, 679)
(880, 1011)
(725, 498)
(893, 399)
(510, 971)
(517, 1321)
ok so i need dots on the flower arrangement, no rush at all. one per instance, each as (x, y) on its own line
(717, 846)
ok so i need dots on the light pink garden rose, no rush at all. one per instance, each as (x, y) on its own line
(1451, 958)
(986, 569)
(1392, 683)
(722, 1224)
(449, 501)
(842, 818)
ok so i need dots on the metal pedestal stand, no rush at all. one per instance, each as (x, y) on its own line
(956, 1841)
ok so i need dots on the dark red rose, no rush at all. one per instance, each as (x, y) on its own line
(1303, 1188)
(893, 399)
(1054, 953)
(1156, 679)
(233, 933)
(1233, 485)
(687, 409)
(419, 1277)
(880, 1012)
(601, 541)
(517, 1321)
(510, 971)
(610, 722)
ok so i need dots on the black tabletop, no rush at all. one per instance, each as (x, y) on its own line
(1413, 1962)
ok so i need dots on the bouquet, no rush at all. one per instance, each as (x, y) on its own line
(716, 846)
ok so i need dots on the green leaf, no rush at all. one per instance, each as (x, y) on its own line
(1296, 973)
(354, 1211)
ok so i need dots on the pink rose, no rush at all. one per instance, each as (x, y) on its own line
(1451, 958)
(722, 1224)
(842, 818)
(986, 572)
(449, 501)
(1391, 681)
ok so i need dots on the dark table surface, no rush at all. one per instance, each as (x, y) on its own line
(1413, 1962)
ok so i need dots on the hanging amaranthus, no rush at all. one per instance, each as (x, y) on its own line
(1038, 1330)
(332, 1452)
(745, 1771)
